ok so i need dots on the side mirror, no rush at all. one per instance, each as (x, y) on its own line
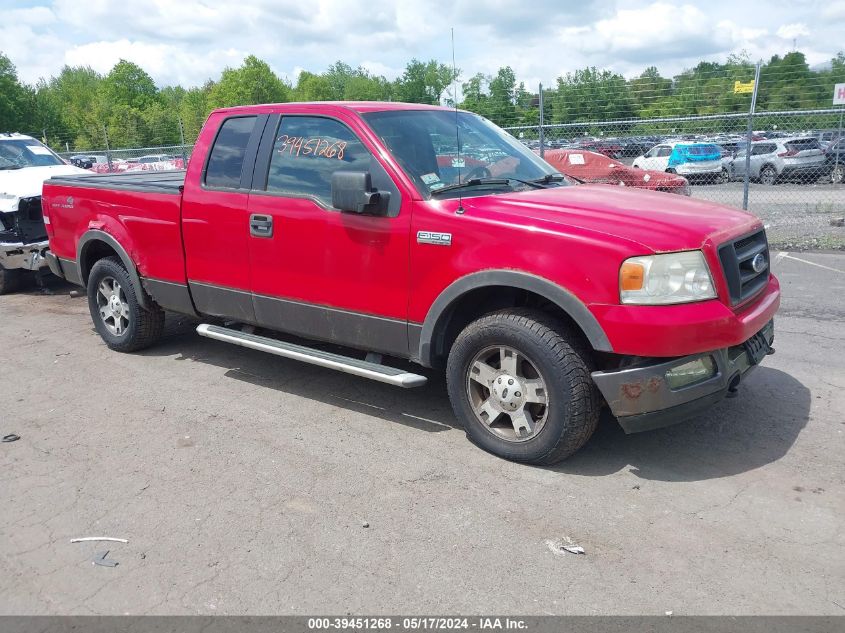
(352, 192)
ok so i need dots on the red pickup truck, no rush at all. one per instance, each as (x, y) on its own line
(368, 225)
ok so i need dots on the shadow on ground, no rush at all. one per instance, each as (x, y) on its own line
(737, 435)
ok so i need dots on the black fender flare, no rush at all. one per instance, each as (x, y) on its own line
(95, 235)
(551, 291)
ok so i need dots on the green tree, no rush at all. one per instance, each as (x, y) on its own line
(254, 82)
(592, 95)
(129, 85)
(424, 82)
(14, 98)
(311, 87)
(194, 109)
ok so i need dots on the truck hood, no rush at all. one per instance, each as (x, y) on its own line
(27, 182)
(658, 221)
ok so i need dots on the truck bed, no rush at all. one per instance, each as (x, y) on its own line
(141, 210)
(144, 181)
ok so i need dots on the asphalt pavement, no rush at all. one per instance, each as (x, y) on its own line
(250, 484)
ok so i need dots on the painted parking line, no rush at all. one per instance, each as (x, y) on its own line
(783, 255)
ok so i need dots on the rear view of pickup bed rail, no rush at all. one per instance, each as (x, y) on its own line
(366, 226)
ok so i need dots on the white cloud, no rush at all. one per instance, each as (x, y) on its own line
(791, 31)
(190, 41)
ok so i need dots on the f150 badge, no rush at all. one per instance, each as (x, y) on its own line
(431, 237)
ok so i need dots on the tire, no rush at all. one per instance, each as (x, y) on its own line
(768, 175)
(119, 319)
(723, 177)
(10, 280)
(837, 174)
(557, 397)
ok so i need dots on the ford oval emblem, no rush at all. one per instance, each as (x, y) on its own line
(758, 264)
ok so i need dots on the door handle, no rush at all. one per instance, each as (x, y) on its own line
(260, 225)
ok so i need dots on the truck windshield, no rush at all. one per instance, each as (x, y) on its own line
(24, 152)
(426, 144)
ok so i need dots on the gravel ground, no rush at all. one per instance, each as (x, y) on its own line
(797, 217)
(248, 484)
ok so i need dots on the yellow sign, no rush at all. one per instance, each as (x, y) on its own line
(741, 88)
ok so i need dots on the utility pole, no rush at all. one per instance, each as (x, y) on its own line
(748, 138)
(182, 139)
(108, 150)
(542, 116)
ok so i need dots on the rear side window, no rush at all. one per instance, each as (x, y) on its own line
(804, 144)
(226, 159)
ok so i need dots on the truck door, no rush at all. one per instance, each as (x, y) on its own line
(317, 272)
(215, 219)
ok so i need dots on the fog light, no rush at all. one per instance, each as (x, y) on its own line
(691, 373)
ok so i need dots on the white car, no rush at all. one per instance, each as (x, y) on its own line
(24, 166)
(685, 158)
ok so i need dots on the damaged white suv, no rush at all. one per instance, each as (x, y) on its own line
(24, 166)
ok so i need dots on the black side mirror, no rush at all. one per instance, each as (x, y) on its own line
(352, 192)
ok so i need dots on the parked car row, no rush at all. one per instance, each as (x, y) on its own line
(776, 156)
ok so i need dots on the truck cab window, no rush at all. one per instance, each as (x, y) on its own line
(307, 151)
(227, 156)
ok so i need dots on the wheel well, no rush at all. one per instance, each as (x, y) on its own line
(480, 301)
(95, 250)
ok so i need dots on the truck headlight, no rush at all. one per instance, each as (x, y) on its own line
(8, 202)
(665, 279)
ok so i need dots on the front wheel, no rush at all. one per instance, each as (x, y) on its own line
(837, 174)
(10, 280)
(118, 316)
(768, 176)
(521, 385)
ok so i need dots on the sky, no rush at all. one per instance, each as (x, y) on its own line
(187, 42)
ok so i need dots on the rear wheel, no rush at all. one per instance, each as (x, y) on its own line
(521, 385)
(118, 316)
(837, 174)
(722, 177)
(768, 175)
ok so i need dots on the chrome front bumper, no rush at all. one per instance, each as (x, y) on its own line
(641, 398)
(30, 256)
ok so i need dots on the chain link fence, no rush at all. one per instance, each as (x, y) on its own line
(724, 130)
(732, 134)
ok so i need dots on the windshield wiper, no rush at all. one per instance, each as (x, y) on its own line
(11, 167)
(548, 179)
(473, 182)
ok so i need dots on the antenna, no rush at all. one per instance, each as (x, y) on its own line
(460, 209)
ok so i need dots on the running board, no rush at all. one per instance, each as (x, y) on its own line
(363, 368)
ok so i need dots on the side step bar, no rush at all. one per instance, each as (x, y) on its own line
(365, 369)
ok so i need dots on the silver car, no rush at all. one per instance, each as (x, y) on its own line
(800, 158)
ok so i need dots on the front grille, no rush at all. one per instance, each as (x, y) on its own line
(743, 281)
(24, 225)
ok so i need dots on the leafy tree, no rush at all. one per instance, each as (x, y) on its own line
(311, 87)
(194, 110)
(14, 98)
(424, 82)
(592, 95)
(254, 82)
(129, 85)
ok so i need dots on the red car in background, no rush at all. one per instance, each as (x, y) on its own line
(597, 168)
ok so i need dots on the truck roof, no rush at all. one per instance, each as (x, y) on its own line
(356, 106)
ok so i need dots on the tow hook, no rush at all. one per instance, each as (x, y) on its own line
(733, 388)
(771, 351)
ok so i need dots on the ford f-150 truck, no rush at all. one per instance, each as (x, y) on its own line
(422, 233)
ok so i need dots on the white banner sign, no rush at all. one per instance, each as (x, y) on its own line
(839, 94)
